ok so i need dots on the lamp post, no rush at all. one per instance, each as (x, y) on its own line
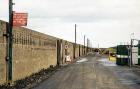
(129, 54)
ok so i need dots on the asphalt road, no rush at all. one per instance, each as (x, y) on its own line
(93, 72)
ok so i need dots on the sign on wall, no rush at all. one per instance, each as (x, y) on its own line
(20, 19)
(66, 46)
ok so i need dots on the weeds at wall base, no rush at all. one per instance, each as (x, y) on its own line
(34, 79)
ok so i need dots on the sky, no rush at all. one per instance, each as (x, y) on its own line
(105, 23)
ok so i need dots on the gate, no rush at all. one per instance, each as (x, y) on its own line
(59, 52)
(79, 51)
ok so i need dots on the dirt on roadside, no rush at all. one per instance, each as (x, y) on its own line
(34, 79)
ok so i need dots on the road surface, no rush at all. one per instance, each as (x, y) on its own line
(93, 72)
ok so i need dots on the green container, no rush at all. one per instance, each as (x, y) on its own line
(122, 50)
(119, 52)
(118, 61)
(139, 61)
(125, 61)
(139, 54)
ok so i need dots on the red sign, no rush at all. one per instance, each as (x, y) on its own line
(20, 19)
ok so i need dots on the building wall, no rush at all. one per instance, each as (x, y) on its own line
(2, 53)
(81, 50)
(32, 51)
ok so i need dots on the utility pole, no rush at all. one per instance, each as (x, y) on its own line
(75, 33)
(10, 41)
(87, 44)
(75, 42)
(84, 43)
(131, 52)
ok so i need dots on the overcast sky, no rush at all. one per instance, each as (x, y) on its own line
(104, 22)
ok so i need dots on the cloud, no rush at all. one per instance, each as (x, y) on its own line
(107, 22)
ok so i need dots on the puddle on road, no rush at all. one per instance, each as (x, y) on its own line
(129, 82)
(127, 77)
(127, 74)
(107, 62)
(82, 60)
